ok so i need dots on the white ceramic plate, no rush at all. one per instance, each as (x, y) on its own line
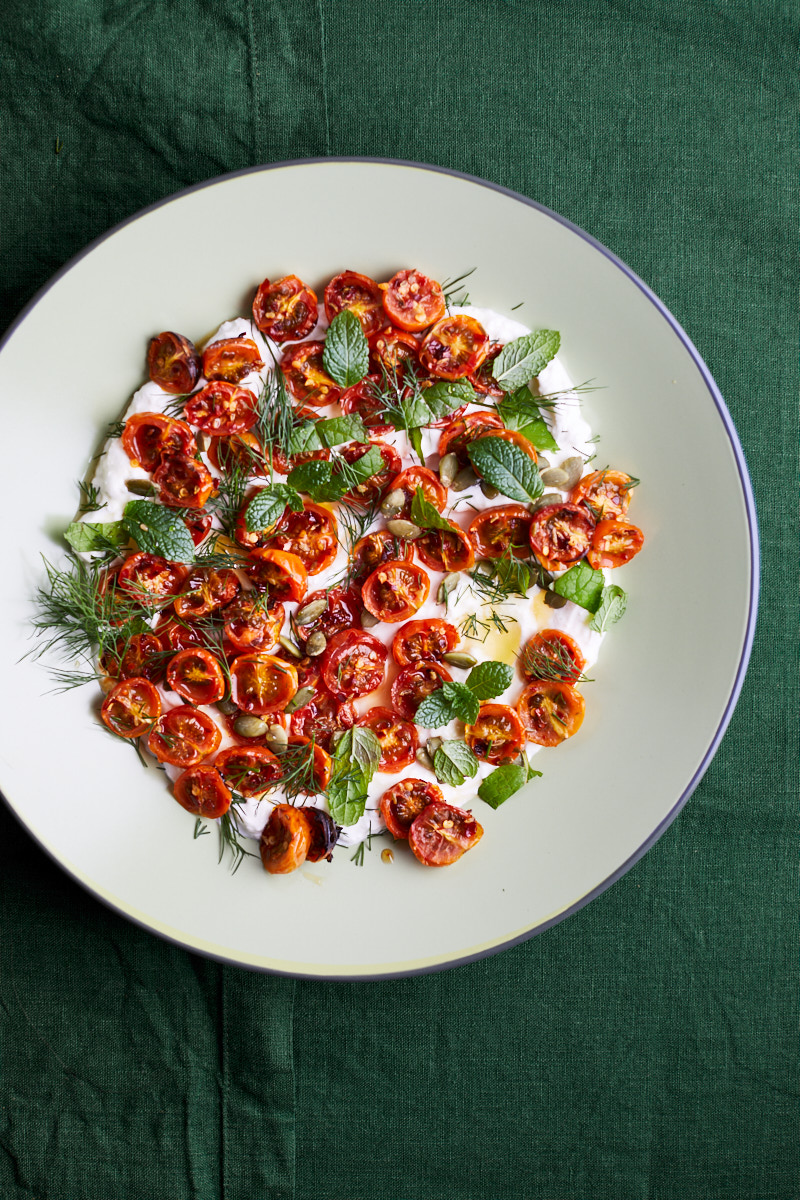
(668, 676)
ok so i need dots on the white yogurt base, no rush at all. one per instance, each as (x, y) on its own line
(530, 614)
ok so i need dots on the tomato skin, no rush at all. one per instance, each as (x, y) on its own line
(560, 535)
(353, 664)
(195, 674)
(496, 530)
(321, 770)
(150, 579)
(242, 450)
(423, 641)
(250, 626)
(183, 737)
(460, 431)
(285, 840)
(605, 494)
(498, 735)
(230, 359)
(202, 791)
(262, 683)
(552, 654)
(174, 635)
(321, 718)
(311, 535)
(343, 612)
(361, 295)
(131, 708)
(324, 834)
(398, 739)
(282, 573)
(550, 712)
(206, 591)
(393, 353)
(173, 363)
(414, 683)
(149, 437)
(482, 378)
(413, 301)
(614, 543)
(183, 482)
(454, 348)
(376, 548)
(306, 378)
(248, 770)
(403, 802)
(396, 590)
(286, 309)
(441, 550)
(363, 400)
(221, 409)
(372, 489)
(198, 523)
(412, 478)
(442, 834)
(138, 657)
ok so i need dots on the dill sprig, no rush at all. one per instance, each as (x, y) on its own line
(229, 839)
(227, 503)
(551, 661)
(277, 416)
(495, 580)
(90, 497)
(175, 405)
(477, 628)
(355, 523)
(297, 771)
(115, 429)
(454, 294)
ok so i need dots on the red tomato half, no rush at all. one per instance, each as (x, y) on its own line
(248, 770)
(198, 523)
(460, 431)
(173, 363)
(221, 409)
(495, 531)
(149, 437)
(252, 622)
(402, 803)
(550, 712)
(321, 718)
(195, 674)
(396, 590)
(441, 834)
(498, 734)
(202, 791)
(342, 612)
(310, 535)
(240, 451)
(361, 296)
(183, 737)
(483, 380)
(416, 682)
(324, 834)
(398, 739)
(363, 399)
(280, 573)
(373, 488)
(306, 378)
(183, 482)
(150, 579)
(375, 549)
(353, 664)
(560, 535)
(262, 683)
(455, 347)
(614, 543)
(285, 840)
(412, 478)
(606, 494)
(394, 353)
(321, 764)
(445, 550)
(423, 641)
(230, 359)
(285, 310)
(413, 301)
(138, 657)
(131, 708)
(552, 654)
(513, 436)
(205, 592)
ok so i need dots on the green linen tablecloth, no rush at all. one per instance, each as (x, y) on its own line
(644, 1049)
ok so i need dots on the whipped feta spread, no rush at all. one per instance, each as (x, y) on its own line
(523, 617)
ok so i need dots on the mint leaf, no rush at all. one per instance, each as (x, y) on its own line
(96, 535)
(582, 585)
(613, 603)
(496, 788)
(434, 711)
(415, 437)
(425, 514)
(447, 394)
(268, 506)
(347, 796)
(304, 438)
(355, 761)
(521, 361)
(157, 529)
(316, 479)
(521, 412)
(454, 763)
(507, 468)
(333, 431)
(346, 353)
(363, 747)
(361, 469)
(489, 679)
(463, 702)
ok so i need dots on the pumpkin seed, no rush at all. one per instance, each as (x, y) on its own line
(249, 726)
(424, 759)
(432, 745)
(289, 646)
(548, 498)
(465, 478)
(141, 487)
(393, 503)
(574, 469)
(489, 491)
(227, 707)
(316, 644)
(277, 739)
(367, 620)
(448, 469)
(201, 441)
(554, 477)
(311, 612)
(458, 658)
(404, 529)
(301, 697)
(554, 600)
(448, 585)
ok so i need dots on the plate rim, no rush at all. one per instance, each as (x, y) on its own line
(753, 564)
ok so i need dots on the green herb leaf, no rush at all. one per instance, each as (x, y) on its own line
(523, 359)
(96, 535)
(346, 353)
(463, 702)
(454, 763)
(363, 747)
(268, 506)
(504, 781)
(316, 479)
(333, 431)
(489, 679)
(415, 437)
(446, 395)
(434, 711)
(582, 585)
(304, 438)
(425, 515)
(521, 412)
(355, 761)
(612, 607)
(507, 468)
(157, 529)
(362, 469)
(347, 796)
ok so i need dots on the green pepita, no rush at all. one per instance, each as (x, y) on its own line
(311, 612)
(459, 658)
(316, 644)
(300, 698)
(249, 726)
(141, 487)
(465, 478)
(448, 469)
(289, 646)
(404, 529)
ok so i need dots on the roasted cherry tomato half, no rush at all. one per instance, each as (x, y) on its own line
(173, 363)
(229, 721)
(361, 296)
(183, 737)
(321, 718)
(280, 573)
(230, 359)
(150, 579)
(249, 770)
(441, 834)
(552, 654)
(324, 834)
(498, 734)
(195, 674)
(251, 622)
(320, 763)
(285, 839)
(393, 353)
(414, 684)
(220, 409)
(308, 669)
(202, 791)
(353, 664)
(550, 712)
(342, 612)
(138, 657)
(306, 378)
(496, 531)
(131, 708)
(176, 635)
(560, 535)
(423, 641)
(283, 463)
(206, 591)
(398, 739)
(606, 494)
(285, 310)
(445, 550)
(240, 451)
(413, 301)
(251, 537)
(460, 431)
(375, 549)
(483, 380)
(372, 489)
(455, 347)
(183, 482)
(614, 543)
(402, 803)
(149, 437)
(396, 590)
(311, 535)
(364, 400)
(412, 478)
(262, 683)
(198, 523)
